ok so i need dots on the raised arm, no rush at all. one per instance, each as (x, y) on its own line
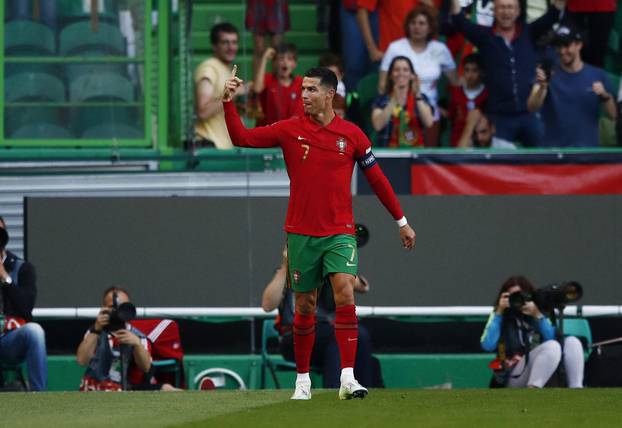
(265, 136)
(362, 19)
(383, 190)
(542, 25)
(538, 91)
(260, 83)
(273, 293)
(476, 34)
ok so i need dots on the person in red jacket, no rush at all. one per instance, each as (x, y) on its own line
(320, 150)
(597, 17)
(470, 95)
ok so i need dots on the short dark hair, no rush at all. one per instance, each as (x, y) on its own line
(223, 27)
(287, 48)
(473, 58)
(329, 60)
(327, 77)
(115, 289)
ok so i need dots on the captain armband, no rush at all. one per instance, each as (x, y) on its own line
(367, 160)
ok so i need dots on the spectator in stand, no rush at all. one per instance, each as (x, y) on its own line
(470, 95)
(508, 54)
(429, 57)
(356, 60)
(334, 64)
(209, 79)
(401, 115)
(597, 17)
(479, 132)
(279, 91)
(570, 95)
(266, 18)
(44, 11)
(391, 15)
(21, 339)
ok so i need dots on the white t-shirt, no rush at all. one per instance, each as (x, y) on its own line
(429, 65)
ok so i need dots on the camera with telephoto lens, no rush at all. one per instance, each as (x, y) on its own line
(553, 296)
(119, 314)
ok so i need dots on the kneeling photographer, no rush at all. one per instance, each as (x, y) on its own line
(525, 340)
(117, 354)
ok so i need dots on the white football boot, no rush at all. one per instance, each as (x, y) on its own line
(352, 389)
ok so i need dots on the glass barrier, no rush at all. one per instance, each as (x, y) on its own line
(77, 73)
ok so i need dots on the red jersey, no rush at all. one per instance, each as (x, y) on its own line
(592, 5)
(280, 102)
(391, 16)
(320, 160)
(459, 106)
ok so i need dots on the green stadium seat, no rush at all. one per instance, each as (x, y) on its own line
(102, 86)
(33, 86)
(267, 362)
(580, 328)
(112, 130)
(46, 131)
(73, 71)
(79, 37)
(368, 91)
(107, 122)
(17, 118)
(28, 38)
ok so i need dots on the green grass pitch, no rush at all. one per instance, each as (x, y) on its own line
(382, 408)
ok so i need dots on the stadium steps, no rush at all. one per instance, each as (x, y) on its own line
(303, 34)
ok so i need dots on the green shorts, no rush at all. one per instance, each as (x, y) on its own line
(311, 258)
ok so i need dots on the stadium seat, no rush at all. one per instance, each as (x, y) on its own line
(101, 87)
(166, 349)
(271, 363)
(19, 118)
(42, 130)
(107, 122)
(28, 38)
(580, 328)
(112, 130)
(17, 369)
(268, 362)
(33, 86)
(368, 91)
(79, 37)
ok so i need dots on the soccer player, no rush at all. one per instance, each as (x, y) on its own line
(320, 149)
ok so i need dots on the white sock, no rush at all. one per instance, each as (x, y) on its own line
(347, 374)
(303, 378)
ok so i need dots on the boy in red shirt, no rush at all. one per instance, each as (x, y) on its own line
(472, 94)
(279, 91)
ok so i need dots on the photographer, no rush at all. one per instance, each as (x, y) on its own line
(570, 95)
(104, 346)
(325, 354)
(21, 339)
(527, 352)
